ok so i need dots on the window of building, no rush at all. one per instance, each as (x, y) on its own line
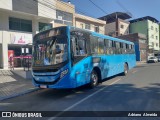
(156, 37)
(44, 26)
(152, 28)
(156, 44)
(64, 18)
(96, 28)
(142, 41)
(153, 36)
(81, 25)
(122, 26)
(156, 30)
(87, 26)
(20, 24)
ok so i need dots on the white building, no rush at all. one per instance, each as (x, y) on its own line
(20, 20)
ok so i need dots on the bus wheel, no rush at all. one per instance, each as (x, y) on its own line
(125, 69)
(93, 79)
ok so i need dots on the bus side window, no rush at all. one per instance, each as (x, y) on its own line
(121, 48)
(124, 49)
(106, 46)
(79, 46)
(94, 45)
(100, 46)
(133, 49)
(117, 50)
(113, 47)
(82, 47)
(130, 49)
(110, 47)
(73, 47)
(127, 49)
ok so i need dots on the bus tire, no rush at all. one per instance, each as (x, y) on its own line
(125, 69)
(93, 79)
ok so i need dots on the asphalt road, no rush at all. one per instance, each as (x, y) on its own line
(138, 91)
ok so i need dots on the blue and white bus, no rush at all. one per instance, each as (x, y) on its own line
(69, 57)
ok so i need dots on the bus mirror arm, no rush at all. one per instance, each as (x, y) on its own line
(72, 56)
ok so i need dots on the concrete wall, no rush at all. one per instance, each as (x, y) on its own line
(6, 4)
(110, 28)
(0, 37)
(47, 8)
(58, 25)
(41, 8)
(4, 20)
(26, 6)
(81, 19)
(24, 74)
(125, 29)
(92, 25)
(63, 6)
(4, 50)
(1, 65)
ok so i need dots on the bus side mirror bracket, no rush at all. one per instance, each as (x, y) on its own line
(72, 56)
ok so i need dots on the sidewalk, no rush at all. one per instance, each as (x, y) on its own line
(12, 85)
(141, 63)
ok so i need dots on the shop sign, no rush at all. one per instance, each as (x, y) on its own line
(20, 38)
(10, 53)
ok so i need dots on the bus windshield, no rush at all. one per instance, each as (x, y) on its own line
(50, 51)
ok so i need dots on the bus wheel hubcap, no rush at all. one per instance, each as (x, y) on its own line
(94, 78)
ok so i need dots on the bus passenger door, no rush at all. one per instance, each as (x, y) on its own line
(80, 62)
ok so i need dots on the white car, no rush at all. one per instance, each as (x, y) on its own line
(152, 59)
(158, 58)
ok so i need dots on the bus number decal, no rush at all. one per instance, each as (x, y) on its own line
(64, 73)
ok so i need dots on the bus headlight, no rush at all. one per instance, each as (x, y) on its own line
(63, 73)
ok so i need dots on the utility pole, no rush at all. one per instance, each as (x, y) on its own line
(147, 41)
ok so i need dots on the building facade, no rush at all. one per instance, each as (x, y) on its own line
(140, 45)
(89, 23)
(116, 24)
(148, 26)
(20, 20)
(65, 14)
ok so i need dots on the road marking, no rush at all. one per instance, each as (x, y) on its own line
(72, 106)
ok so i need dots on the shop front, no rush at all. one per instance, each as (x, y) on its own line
(19, 50)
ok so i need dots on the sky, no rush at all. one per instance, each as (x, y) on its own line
(138, 8)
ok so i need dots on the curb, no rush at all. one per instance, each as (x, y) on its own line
(141, 63)
(19, 94)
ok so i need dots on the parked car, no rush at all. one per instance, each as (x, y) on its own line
(158, 58)
(152, 59)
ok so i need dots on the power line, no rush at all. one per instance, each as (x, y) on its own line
(124, 8)
(98, 7)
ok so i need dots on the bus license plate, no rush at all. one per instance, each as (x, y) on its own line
(43, 86)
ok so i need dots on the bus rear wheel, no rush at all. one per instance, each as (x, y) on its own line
(93, 79)
(125, 69)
